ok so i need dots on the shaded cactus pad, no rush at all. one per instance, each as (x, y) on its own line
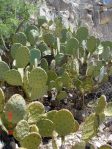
(17, 107)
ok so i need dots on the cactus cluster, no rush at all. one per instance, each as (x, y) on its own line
(41, 60)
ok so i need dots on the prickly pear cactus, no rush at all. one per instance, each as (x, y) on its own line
(20, 38)
(38, 92)
(91, 44)
(81, 34)
(101, 105)
(17, 107)
(31, 141)
(14, 48)
(41, 20)
(34, 54)
(21, 130)
(72, 47)
(44, 64)
(62, 95)
(46, 127)
(13, 77)
(42, 46)
(32, 36)
(22, 56)
(2, 100)
(3, 68)
(64, 122)
(90, 127)
(108, 109)
(51, 115)
(37, 78)
(34, 128)
(35, 109)
(52, 75)
(50, 40)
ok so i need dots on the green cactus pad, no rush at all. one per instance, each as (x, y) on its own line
(82, 33)
(72, 47)
(76, 126)
(14, 48)
(34, 54)
(3, 69)
(41, 20)
(42, 46)
(38, 92)
(32, 36)
(17, 106)
(91, 44)
(44, 64)
(46, 127)
(37, 77)
(51, 85)
(35, 109)
(101, 105)
(20, 38)
(50, 40)
(90, 127)
(31, 141)
(64, 122)
(52, 75)
(2, 100)
(34, 128)
(13, 77)
(30, 27)
(105, 147)
(21, 130)
(108, 109)
(66, 80)
(22, 57)
(51, 115)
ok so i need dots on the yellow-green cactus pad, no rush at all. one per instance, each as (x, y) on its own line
(101, 104)
(64, 122)
(90, 127)
(31, 141)
(38, 92)
(21, 130)
(51, 114)
(35, 109)
(17, 107)
(46, 127)
(34, 128)
(2, 100)
(108, 109)
(14, 48)
(76, 126)
(3, 68)
(22, 57)
(13, 77)
(20, 38)
(37, 78)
